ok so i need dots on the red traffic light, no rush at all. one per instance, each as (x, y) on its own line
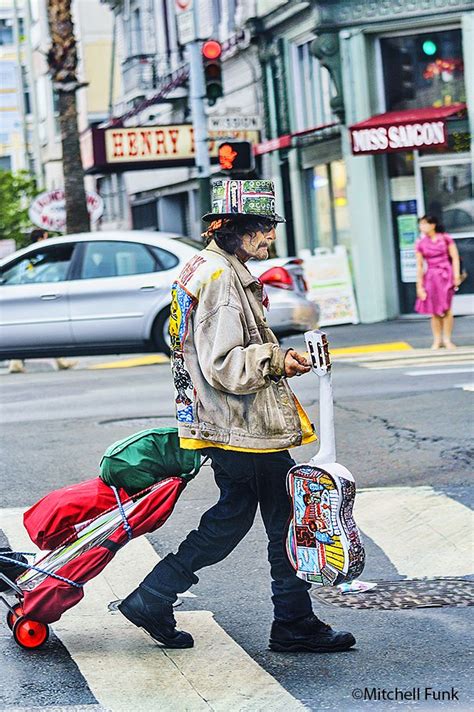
(236, 156)
(211, 49)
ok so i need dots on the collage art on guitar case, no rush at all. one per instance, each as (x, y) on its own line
(323, 540)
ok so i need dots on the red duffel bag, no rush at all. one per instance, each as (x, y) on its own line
(66, 511)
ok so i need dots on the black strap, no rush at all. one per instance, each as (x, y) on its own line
(111, 545)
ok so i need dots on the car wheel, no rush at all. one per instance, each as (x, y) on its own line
(160, 332)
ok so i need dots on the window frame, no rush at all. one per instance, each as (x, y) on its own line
(30, 255)
(82, 252)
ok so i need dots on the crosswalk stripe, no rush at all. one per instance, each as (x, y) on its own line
(62, 708)
(126, 671)
(438, 371)
(401, 363)
(465, 386)
(423, 532)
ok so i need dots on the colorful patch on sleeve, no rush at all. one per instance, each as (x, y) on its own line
(181, 306)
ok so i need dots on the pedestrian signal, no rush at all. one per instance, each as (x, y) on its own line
(212, 62)
(236, 156)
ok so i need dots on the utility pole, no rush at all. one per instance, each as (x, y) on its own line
(39, 168)
(198, 114)
(21, 88)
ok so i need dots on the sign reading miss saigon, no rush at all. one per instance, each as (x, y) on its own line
(398, 137)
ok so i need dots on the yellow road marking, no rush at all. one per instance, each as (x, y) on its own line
(371, 348)
(132, 362)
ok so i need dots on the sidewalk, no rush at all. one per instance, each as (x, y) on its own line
(416, 332)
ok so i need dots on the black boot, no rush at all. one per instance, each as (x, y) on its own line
(155, 616)
(308, 634)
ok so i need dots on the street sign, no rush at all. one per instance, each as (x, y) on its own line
(48, 210)
(185, 21)
(234, 123)
(143, 147)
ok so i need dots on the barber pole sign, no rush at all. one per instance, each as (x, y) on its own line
(398, 137)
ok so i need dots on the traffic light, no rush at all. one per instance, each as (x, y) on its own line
(429, 47)
(236, 156)
(407, 75)
(212, 62)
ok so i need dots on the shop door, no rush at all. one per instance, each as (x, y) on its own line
(444, 189)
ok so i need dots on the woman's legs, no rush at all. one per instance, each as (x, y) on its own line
(437, 329)
(448, 320)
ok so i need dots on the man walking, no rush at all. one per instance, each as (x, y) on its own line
(233, 402)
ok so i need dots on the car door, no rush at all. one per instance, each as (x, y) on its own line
(119, 284)
(34, 300)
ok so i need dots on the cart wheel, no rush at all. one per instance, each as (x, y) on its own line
(12, 617)
(30, 634)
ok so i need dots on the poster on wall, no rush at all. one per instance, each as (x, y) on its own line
(407, 235)
(329, 281)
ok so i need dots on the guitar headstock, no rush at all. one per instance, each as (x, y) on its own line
(318, 351)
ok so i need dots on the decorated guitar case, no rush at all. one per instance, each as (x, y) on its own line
(323, 543)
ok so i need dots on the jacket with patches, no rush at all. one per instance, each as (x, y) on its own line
(227, 365)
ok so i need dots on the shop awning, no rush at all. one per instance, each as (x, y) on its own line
(403, 130)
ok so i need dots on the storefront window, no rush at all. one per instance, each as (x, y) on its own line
(329, 204)
(447, 191)
(429, 67)
(311, 88)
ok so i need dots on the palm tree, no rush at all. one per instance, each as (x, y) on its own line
(62, 61)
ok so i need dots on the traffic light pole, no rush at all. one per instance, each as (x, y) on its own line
(198, 116)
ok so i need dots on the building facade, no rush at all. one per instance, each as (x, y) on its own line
(321, 78)
(15, 130)
(35, 118)
(409, 64)
(155, 93)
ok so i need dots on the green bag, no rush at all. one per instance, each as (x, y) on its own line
(144, 458)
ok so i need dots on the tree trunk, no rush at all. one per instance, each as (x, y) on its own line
(77, 216)
(62, 61)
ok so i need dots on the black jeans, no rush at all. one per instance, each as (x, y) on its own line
(245, 480)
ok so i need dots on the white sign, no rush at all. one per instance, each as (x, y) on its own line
(234, 123)
(329, 283)
(185, 21)
(408, 265)
(48, 210)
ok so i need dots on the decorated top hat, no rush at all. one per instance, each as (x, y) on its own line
(243, 198)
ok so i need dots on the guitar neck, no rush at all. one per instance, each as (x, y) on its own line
(327, 440)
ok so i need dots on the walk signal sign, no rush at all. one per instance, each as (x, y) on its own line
(212, 62)
(236, 156)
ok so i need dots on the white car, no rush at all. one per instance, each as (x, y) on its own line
(109, 292)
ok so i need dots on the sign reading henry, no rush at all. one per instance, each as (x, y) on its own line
(142, 147)
(148, 143)
(398, 137)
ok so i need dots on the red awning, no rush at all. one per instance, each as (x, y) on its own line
(410, 116)
(403, 130)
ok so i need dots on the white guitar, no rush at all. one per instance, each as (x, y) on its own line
(323, 543)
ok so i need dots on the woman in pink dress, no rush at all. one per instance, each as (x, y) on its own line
(435, 285)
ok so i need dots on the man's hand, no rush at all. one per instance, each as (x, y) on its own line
(295, 364)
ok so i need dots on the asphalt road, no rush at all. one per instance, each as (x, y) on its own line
(406, 434)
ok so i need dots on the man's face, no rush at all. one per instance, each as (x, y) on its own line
(255, 246)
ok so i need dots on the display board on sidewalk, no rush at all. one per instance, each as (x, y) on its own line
(329, 281)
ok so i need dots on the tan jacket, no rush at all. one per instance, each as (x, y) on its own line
(227, 365)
